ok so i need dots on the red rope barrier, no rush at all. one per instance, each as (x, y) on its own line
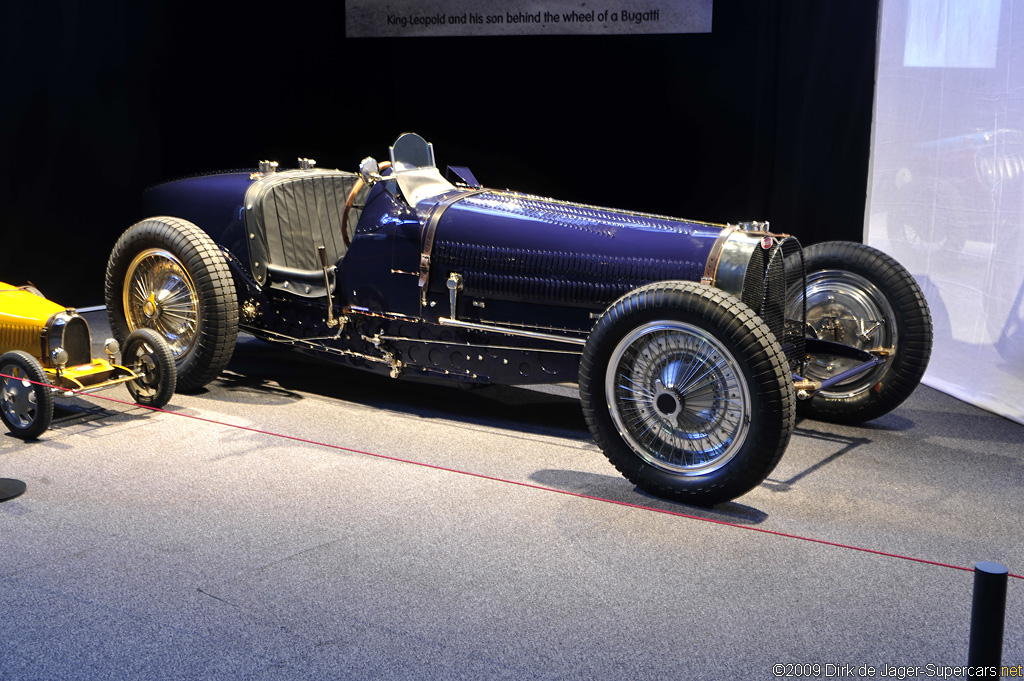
(542, 488)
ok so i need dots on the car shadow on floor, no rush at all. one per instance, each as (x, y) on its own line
(839, 445)
(84, 414)
(616, 489)
(260, 373)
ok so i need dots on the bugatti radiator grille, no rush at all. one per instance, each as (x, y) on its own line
(770, 275)
(77, 342)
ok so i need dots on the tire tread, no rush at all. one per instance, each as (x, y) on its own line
(914, 328)
(751, 338)
(212, 277)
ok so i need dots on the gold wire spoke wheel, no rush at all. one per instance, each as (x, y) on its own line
(167, 275)
(678, 398)
(159, 294)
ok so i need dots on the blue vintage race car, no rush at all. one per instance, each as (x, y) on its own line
(693, 344)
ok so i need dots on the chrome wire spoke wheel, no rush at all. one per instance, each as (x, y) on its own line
(846, 308)
(160, 295)
(678, 398)
(17, 396)
(687, 392)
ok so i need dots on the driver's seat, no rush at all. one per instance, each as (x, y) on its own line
(292, 214)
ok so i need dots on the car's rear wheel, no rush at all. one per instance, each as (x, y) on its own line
(687, 392)
(149, 356)
(26, 400)
(167, 275)
(858, 296)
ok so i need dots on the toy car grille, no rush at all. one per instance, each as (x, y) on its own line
(77, 342)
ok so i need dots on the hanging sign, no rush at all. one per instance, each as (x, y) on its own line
(428, 18)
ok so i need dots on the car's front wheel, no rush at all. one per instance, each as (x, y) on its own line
(687, 392)
(26, 402)
(150, 358)
(167, 275)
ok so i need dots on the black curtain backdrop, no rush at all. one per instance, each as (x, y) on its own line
(767, 117)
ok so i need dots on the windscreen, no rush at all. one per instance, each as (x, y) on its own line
(412, 163)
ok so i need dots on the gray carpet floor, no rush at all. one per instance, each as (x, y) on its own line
(302, 521)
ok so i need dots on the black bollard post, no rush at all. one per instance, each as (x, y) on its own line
(10, 488)
(988, 615)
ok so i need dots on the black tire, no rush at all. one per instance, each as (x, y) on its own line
(716, 438)
(26, 408)
(168, 275)
(862, 297)
(149, 356)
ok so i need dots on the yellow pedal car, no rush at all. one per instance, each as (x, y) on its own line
(46, 350)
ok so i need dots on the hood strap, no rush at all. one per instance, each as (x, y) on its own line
(429, 230)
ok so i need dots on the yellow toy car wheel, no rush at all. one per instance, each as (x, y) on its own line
(26, 400)
(149, 356)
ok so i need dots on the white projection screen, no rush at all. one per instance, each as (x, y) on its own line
(946, 192)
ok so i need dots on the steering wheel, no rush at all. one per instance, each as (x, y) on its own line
(356, 188)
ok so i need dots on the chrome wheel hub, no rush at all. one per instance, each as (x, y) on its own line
(846, 308)
(678, 397)
(17, 397)
(668, 402)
